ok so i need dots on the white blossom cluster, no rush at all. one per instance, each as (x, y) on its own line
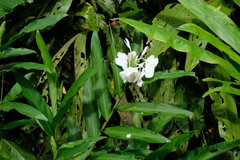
(134, 67)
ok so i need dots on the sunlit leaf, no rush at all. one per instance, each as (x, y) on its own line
(126, 132)
(147, 108)
(115, 157)
(12, 52)
(182, 44)
(226, 29)
(170, 74)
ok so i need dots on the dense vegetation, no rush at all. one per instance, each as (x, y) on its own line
(67, 93)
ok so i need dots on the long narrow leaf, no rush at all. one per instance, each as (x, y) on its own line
(194, 29)
(35, 25)
(147, 108)
(18, 151)
(182, 45)
(100, 79)
(175, 144)
(171, 74)
(25, 65)
(118, 83)
(18, 123)
(23, 109)
(73, 91)
(51, 77)
(34, 98)
(127, 132)
(115, 157)
(90, 110)
(12, 52)
(217, 21)
(15, 90)
(209, 152)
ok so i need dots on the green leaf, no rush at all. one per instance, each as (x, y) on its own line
(34, 98)
(137, 42)
(147, 108)
(237, 2)
(170, 74)
(226, 29)
(226, 87)
(182, 44)
(108, 6)
(8, 6)
(118, 83)
(35, 25)
(194, 29)
(24, 65)
(126, 132)
(90, 110)
(12, 52)
(23, 109)
(73, 91)
(100, 80)
(18, 151)
(73, 131)
(51, 77)
(18, 123)
(158, 122)
(175, 144)
(210, 152)
(79, 142)
(115, 157)
(15, 90)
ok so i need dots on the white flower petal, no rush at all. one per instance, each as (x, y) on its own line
(126, 41)
(149, 73)
(123, 76)
(140, 82)
(150, 64)
(131, 75)
(122, 60)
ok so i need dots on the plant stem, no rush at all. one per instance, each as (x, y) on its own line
(107, 120)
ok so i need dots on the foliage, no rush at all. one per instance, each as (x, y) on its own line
(62, 96)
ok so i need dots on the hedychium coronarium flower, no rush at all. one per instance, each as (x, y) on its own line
(134, 67)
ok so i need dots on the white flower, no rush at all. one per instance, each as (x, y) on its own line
(150, 64)
(132, 75)
(133, 71)
(122, 60)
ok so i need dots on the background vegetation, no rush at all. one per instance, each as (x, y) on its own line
(62, 96)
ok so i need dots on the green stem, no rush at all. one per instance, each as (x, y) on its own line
(107, 120)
